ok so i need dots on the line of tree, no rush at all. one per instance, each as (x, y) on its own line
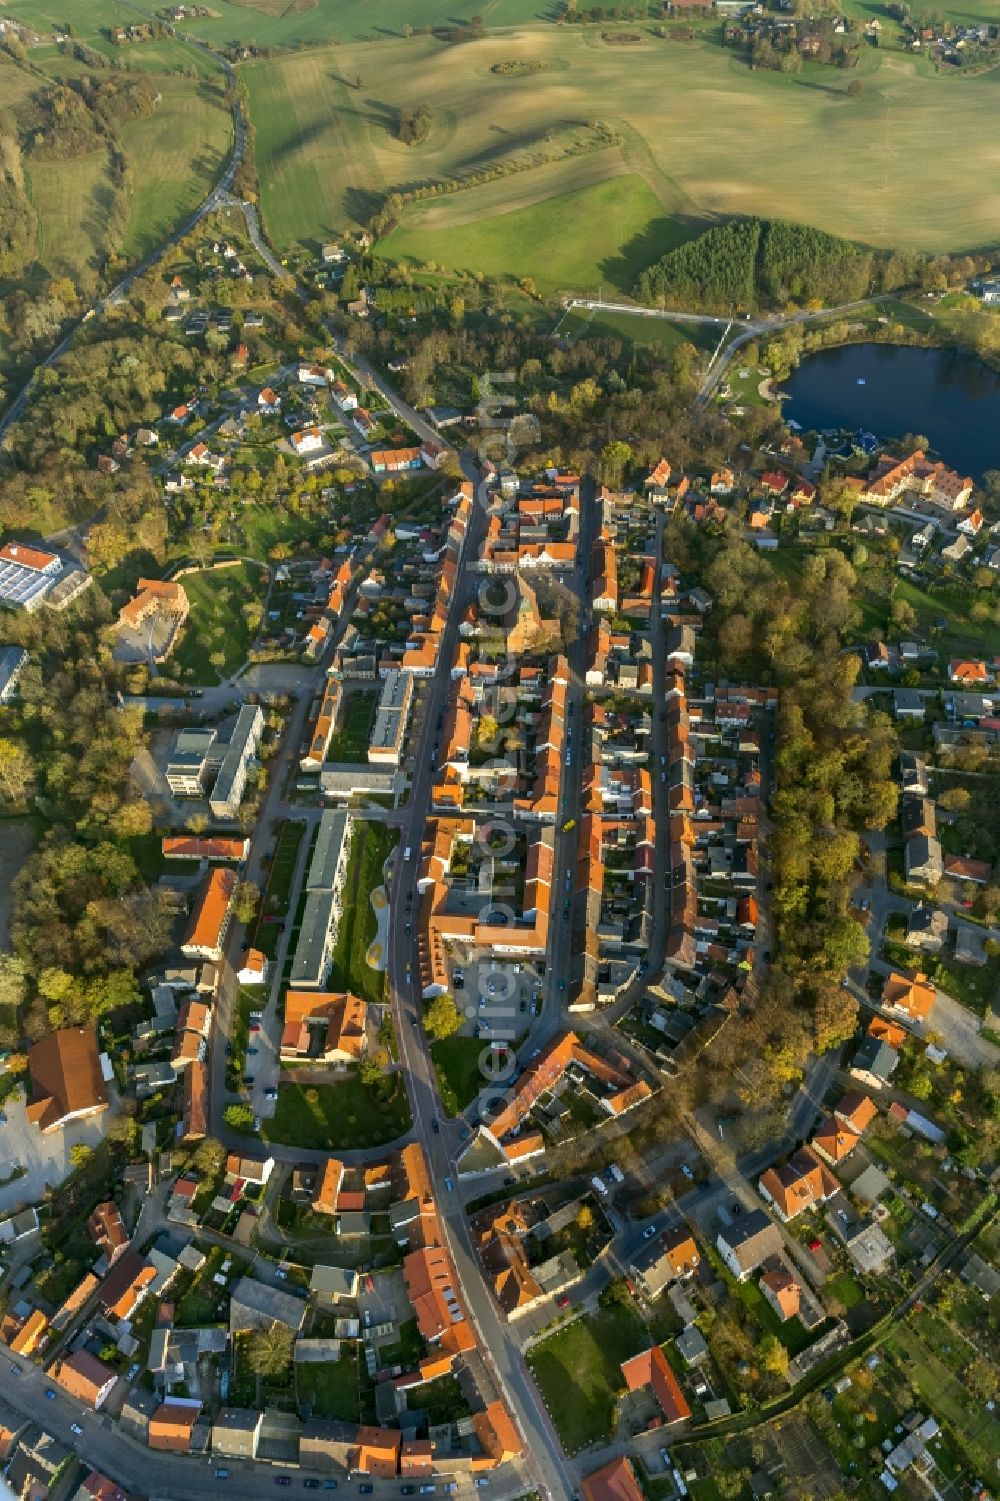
(17, 217)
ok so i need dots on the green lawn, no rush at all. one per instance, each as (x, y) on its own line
(554, 242)
(459, 1076)
(370, 847)
(279, 885)
(951, 604)
(176, 155)
(339, 1115)
(350, 741)
(442, 1400)
(578, 1371)
(216, 626)
(633, 328)
(333, 1388)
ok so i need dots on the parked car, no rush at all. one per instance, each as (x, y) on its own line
(310, 1485)
(75, 1428)
(282, 1479)
(649, 1232)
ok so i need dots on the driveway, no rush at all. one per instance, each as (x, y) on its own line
(45, 1157)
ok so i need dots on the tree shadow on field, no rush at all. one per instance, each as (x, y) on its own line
(361, 204)
(822, 88)
(385, 114)
(645, 248)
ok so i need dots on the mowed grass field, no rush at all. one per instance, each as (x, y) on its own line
(175, 155)
(605, 233)
(278, 23)
(705, 135)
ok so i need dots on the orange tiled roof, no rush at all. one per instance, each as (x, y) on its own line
(652, 1368)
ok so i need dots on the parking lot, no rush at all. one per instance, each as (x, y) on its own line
(494, 999)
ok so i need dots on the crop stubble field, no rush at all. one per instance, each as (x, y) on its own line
(701, 136)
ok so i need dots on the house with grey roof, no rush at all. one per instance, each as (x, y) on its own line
(747, 1242)
(923, 861)
(255, 1305)
(874, 1063)
(927, 929)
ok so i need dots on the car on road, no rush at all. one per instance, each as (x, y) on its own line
(282, 1479)
(75, 1428)
(562, 1301)
(370, 1282)
(449, 1186)
(409, 929)
(687, 1172)
(569, 824)
(50, 1395)
(16, 1370)
(649, 1232)
(435, 1125)
(252, 1052)
(222, 1474)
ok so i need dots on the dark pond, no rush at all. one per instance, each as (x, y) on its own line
(946, 394)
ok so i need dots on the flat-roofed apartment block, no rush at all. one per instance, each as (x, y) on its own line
(198, 759)
(391, 719)
(190, 762)
(232, 779)
(324, 900)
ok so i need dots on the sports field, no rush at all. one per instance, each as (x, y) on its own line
(703, 134)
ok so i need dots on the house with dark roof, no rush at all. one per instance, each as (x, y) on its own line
(874, 1063)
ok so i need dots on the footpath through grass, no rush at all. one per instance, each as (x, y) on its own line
(578, 1371)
